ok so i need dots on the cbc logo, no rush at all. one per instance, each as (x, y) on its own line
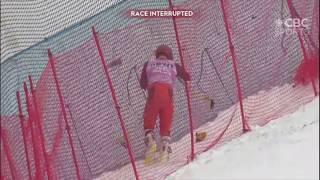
(294, 22)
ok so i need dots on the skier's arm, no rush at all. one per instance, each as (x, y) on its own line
(182, 73)
(144, 79)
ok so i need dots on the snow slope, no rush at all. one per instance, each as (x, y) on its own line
(286, 148)
(253, 155)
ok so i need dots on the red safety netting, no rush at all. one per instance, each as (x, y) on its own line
(82, 115)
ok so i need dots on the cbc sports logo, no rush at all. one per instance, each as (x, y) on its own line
(291, 26)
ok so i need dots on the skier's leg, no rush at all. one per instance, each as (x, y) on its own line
(166, 117)
(150, 116)
(159, 99)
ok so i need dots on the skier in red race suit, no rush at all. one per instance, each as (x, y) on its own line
(158, 78)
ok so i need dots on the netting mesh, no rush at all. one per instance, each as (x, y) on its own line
(231, 49)
(24, 23)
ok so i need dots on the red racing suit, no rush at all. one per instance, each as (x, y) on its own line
(158, 78)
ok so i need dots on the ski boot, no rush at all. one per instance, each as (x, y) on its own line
(165, 149)
(151, 149)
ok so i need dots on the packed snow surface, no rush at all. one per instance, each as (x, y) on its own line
(285, 148)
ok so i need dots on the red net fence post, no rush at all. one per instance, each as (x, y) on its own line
(38, 123)
(224, 3)
(268, 58)
(35, 140)
(186, 84)
(64, 113)
(306, 58)
(125, 134)
(7, 151)
(22, 120)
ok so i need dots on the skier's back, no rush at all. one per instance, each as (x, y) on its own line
(158, 78)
